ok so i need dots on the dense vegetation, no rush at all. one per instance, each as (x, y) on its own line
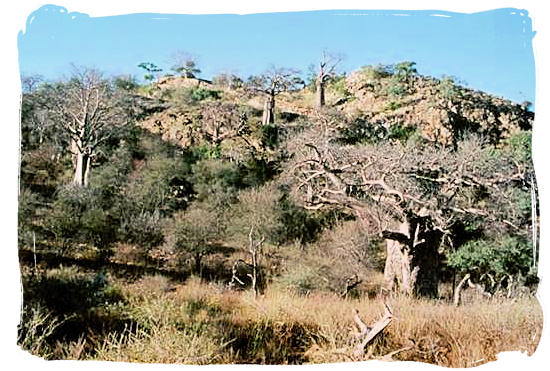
(289, 202)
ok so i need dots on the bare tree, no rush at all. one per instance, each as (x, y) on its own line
(185, 64)
(86, 111)
(272, 83)
(327, 69)
(410, 195)
(255, 218)
(222, 122)
(31, 82)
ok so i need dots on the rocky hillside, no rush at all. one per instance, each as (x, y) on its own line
(439, 110)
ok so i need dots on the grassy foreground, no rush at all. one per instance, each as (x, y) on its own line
(155, 320)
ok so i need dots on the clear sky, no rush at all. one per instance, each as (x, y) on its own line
(490, 51)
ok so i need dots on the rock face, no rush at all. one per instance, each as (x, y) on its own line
(173, 126)
(441, 110)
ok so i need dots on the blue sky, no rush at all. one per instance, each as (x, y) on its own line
(490, 51)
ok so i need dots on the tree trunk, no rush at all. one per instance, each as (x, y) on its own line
(198, 266)
(319, 93)
(412, 260)
(427, 260)
(254, 277)
(269, 108)
(82, 169)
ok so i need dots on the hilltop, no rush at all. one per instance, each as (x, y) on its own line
(439, 109)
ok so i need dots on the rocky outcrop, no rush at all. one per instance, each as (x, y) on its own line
(441, 110)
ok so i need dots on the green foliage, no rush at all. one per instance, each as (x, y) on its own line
(362, 131)
(151, 69)
(28, 202)
(42, 170)
(161, 185)
(392, 106)
(256, 171)
(195, 232)
(191, 95)
(376, 72)
(199, 94)
(404, 70)
(505, 256)
(519, 147)
(396, 88)
(339, 87)
(270, 135)
(447, 88)
(401, 132)
(76, 217)
(216, 182)
(109, 179)
(297, 224)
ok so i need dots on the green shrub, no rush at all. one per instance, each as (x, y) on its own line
(361, 131)
(401, 132)
(505, 257)
(270, 135)
(396, 89)
(199, 94)
(392, 106)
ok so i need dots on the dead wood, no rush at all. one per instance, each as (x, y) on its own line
(369, 333)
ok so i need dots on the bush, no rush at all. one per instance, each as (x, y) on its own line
(127, 83)
(297, 224)
(144, 230)
(216, 182)
(376, 72)
(396, 89)
(401, 132)
(270, 136)
(230, 81)
(361, 131)
(392, 106)
(503, 258)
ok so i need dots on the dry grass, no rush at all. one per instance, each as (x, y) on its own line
(204, 323)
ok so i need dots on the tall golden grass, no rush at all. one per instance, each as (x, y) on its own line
(204, 323)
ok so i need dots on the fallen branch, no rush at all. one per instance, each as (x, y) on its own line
(369, 333)
(389, 356)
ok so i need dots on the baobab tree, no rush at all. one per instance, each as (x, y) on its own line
(327, 70)
(413, 196)
(272, 83)
(185, 64)
(85, 109)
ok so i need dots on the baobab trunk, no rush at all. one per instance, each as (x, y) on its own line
(269, 107)
(319, 93)
(398, 271)
(412, 260)
(82, 169)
